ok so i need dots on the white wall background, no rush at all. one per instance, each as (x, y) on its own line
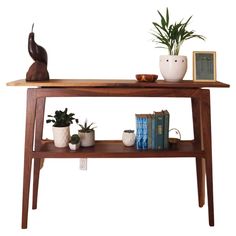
(111, 40)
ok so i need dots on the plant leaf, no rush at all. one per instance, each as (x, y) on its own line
(167, 16)
(172, 35)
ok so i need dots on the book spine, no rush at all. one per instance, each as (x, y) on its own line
(145, 132)
(166, 128)
(149, 131)
(139, 133)
(159, 130)
(154, 146)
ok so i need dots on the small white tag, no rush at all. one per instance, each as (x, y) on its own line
(83, 163)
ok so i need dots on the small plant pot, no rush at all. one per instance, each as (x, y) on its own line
(74, 147)
(61, 136)
(128, 138)
(173, 68)
(87, 139)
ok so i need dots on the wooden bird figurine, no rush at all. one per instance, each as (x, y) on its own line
(37, 52)
(38, 70)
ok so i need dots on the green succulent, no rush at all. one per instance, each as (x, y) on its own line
(62, 119)
(129, 131)
(172, 36)
(74, 139)
(86, 128)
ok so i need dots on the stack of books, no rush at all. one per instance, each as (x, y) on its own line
(152, 131)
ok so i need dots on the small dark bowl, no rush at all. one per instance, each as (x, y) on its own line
(146, 77)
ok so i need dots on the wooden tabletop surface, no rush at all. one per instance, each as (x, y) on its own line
(79, 83)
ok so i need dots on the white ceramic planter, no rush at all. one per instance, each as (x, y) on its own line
(74, 147)
(128, 138)
(87, 139)
(61, 136)
(173, 68)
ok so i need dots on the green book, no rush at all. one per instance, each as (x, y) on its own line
(149, 117)
(159, 126)
(166, 129)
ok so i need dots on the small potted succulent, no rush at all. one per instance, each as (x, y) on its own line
(87, 134)
(171, 36)
(61, 127)
(74, 142)
(128, 138)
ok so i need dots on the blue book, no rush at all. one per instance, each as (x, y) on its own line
(139, 132)
(145, 131)
(153, 132)
(166, 129)
(159, 125)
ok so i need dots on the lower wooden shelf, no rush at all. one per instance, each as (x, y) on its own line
(116, 149)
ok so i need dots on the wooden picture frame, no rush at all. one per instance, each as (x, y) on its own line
(204, 66)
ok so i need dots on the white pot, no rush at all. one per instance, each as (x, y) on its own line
(128, 138)
(87, 139)
(74, 147)
(173, 68)
(61, 136)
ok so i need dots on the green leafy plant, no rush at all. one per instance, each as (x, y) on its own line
(172, 36)
(86, 128)
(74, 139)
(62, 119)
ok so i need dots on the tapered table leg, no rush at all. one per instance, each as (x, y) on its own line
(200, 162)
(29, 140)
(201, 172)
(38, 138)
(206, 127)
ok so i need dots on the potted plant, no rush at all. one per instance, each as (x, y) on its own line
(87, 134)
(61, 127)
(128, 138)
(171, 36)
(74, 142)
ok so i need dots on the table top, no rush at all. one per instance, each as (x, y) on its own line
(95, 83)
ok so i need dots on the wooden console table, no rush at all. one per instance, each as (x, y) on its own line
(38, 149)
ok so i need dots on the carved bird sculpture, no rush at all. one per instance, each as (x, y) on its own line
(38, 70)
(37, 52)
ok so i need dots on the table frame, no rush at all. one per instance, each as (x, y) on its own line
(200, 100)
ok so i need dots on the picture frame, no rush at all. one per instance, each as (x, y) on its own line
(204, 66)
